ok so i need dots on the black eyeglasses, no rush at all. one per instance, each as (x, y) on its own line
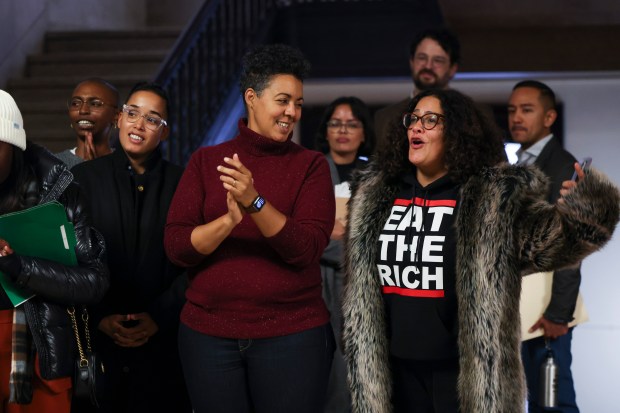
(352, 124)
(92, 104)
(152, 122)
(428, 120)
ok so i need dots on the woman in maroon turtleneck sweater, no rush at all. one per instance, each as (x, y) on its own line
(250, 220)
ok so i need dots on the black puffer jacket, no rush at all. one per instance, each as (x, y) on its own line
(58, 286)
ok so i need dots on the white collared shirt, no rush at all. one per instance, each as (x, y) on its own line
(532, 153)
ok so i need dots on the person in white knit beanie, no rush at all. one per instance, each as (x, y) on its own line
(11, 122)
(37, 342)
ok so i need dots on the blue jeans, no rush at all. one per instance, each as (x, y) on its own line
(269, 375)
(534, 354)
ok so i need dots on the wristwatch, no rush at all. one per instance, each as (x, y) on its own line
(256, 205)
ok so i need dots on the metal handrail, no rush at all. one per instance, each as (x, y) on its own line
(204, 67)
(202, 71)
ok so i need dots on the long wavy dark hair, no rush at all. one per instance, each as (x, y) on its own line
(472, 139)
(360, 111)
(14, 189)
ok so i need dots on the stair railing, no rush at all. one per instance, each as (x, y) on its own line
(202, 71)
(204, 67)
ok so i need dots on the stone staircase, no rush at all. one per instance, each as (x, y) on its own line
(120, 57)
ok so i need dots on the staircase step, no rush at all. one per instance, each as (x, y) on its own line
(144, 63)
(53, 120)
(130, 55)
(101, 41)
(40, 92)
(53, 140)
(123, 58)
(69, 80)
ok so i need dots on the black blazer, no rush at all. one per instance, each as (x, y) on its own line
(130, 211)
(558, 165)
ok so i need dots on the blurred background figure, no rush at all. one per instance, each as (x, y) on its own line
(93, 110)
(346, 137)
(434, 57)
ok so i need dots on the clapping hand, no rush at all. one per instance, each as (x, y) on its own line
(238, 181)
(90, 152)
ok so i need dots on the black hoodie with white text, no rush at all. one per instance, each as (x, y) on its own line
(416, 265)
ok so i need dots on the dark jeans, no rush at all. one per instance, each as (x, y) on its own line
(425, 386)
(269, 375)
(534, 353)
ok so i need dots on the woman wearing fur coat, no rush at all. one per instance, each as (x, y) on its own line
(441, 229)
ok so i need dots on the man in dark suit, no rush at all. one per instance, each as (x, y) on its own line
(434, 55)
(531, 113)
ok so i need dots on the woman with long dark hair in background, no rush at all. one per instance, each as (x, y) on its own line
(346, 137)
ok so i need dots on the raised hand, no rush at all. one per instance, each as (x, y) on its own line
(90, 152)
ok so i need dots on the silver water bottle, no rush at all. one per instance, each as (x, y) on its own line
(549, 380)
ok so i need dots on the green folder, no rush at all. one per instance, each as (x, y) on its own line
(42, 231)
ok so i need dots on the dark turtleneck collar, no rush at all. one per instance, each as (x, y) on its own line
(259, 145)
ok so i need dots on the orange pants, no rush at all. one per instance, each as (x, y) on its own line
(53, 396)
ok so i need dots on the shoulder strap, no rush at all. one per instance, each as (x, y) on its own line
(63, 181)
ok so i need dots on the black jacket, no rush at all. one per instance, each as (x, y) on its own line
(558, 165)
(58, 286)
(131, 210)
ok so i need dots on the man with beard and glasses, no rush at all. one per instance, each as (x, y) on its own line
(434, 57)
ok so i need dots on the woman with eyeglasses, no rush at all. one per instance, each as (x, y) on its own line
(440, 231)
(93, 110)
(129, 192)
(250, 220)
(346, 137)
